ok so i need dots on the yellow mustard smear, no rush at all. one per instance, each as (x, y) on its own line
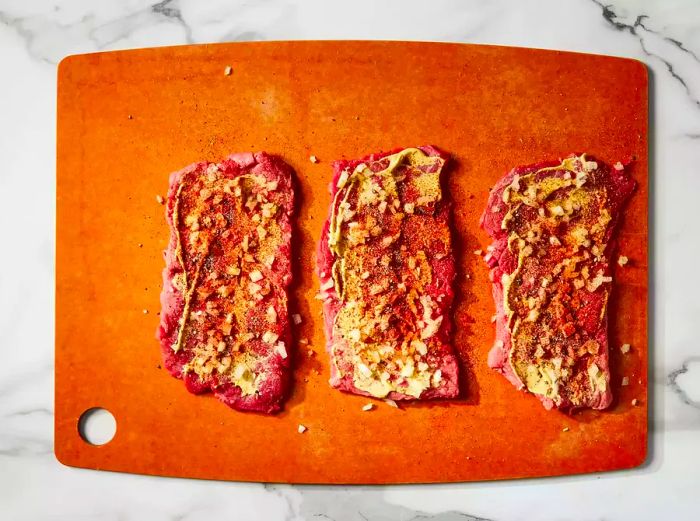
(364, 198)
(557, 199)
(230, 290)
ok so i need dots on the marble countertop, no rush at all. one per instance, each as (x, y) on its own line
(34, 36)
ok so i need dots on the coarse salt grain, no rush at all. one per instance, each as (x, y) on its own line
(368, 407)
(625, 348)
(159, 199)
(301, 429)
(296, 318)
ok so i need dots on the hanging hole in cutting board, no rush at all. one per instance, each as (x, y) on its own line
(97, 426)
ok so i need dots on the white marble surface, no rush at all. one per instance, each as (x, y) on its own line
(35, 35)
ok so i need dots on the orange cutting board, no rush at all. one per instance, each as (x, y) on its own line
(128, 119)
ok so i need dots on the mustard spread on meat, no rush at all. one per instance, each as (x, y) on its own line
(383, 231)
(555, 300)
(227, 237)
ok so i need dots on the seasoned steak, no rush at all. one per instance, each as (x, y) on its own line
(552, 225)
(224, 323)
(386, 267)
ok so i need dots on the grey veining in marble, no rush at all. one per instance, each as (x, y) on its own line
(35, 35)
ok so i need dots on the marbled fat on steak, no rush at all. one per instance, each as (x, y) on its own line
(553, 230)
(224, 323)
(386, 267)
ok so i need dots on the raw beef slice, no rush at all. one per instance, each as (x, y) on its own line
(386, 268)
(224, 323)
(553, 226)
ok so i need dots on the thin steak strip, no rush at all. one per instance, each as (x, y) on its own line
(386, 267)
(224, 323)
(553, 227)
